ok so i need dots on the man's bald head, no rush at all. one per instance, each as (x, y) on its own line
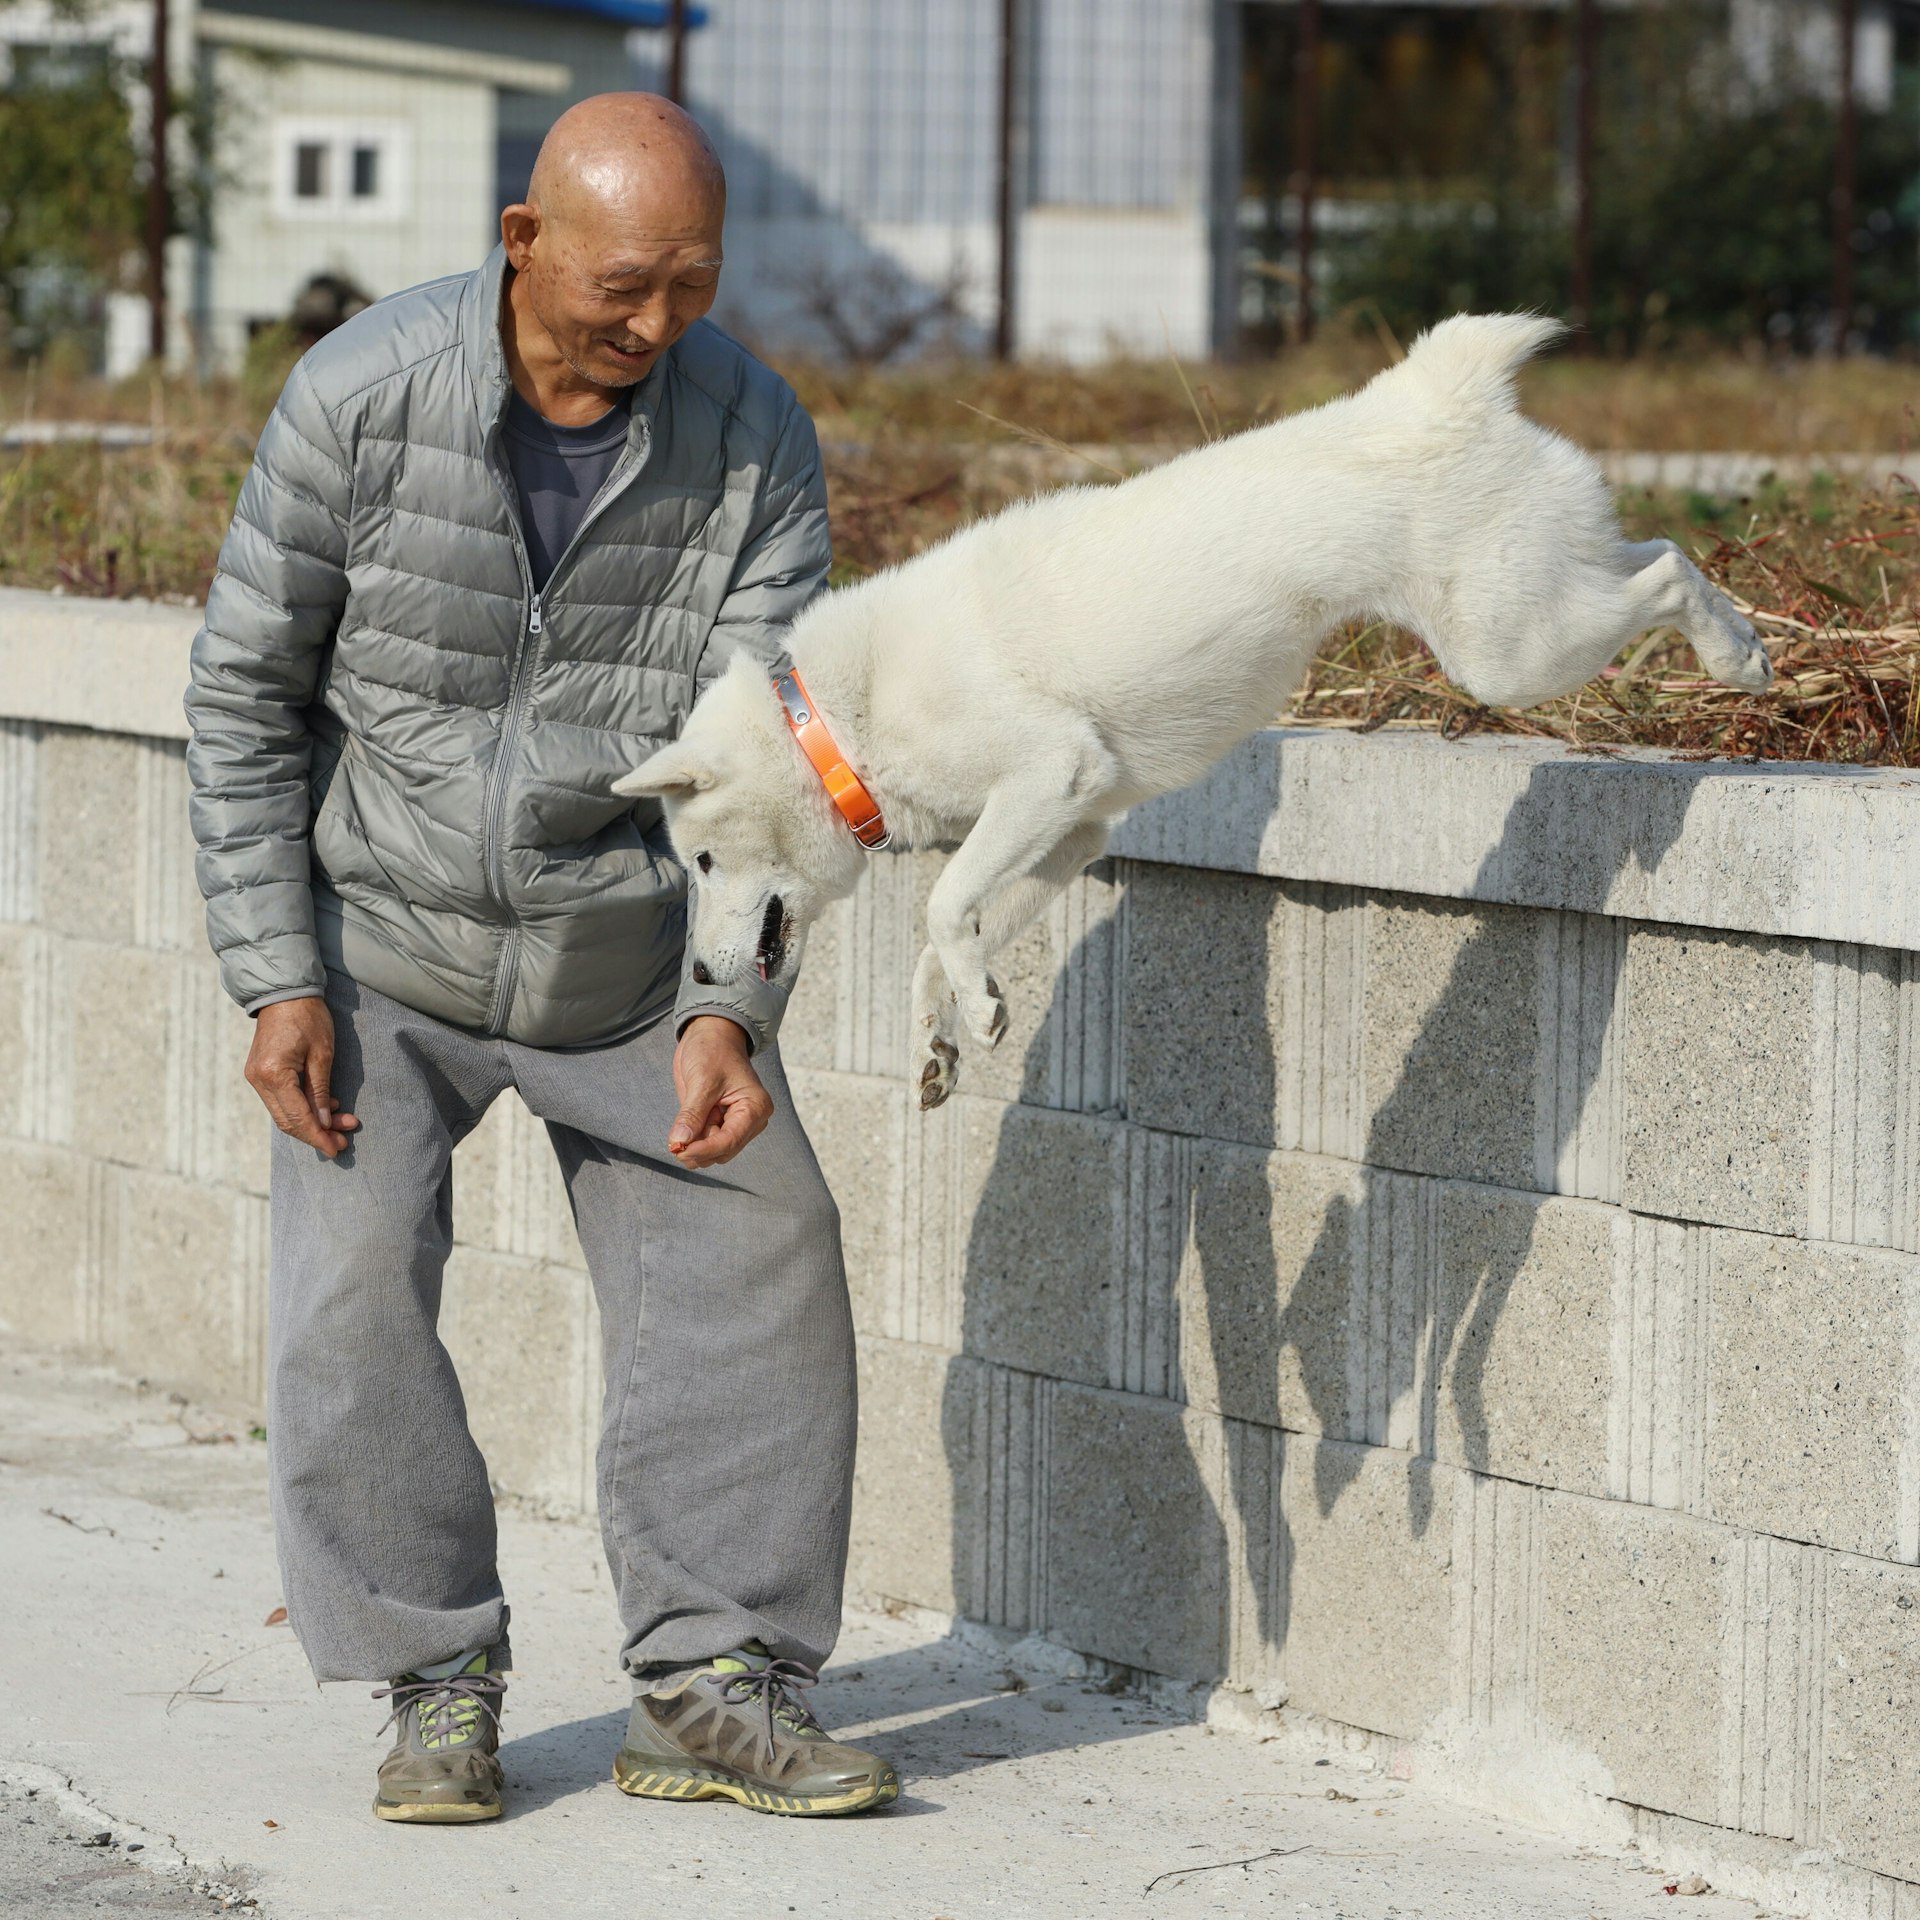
(616, 249)
(622, 155)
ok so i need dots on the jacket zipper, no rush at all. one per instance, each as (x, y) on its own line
(526, 659)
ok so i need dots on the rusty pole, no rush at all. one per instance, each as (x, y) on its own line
(1586, 50)
(1306, 141)
(1003, 184)
(159, 91)
(1846, 144)
(677, 52)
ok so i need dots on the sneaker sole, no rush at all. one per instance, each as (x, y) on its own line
(427, 1813)
(652, 1780)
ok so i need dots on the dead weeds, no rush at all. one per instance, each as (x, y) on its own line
(1825, 571)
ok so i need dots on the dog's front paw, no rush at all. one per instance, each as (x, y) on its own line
(985, 1013)
(938, 1076)
(1755, 672)
(1739, 656)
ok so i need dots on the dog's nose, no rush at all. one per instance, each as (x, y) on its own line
(701, 976)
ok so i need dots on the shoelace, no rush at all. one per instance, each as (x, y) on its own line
(438, 1701)
(778, 1684)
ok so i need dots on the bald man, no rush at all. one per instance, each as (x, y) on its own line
(499, 533)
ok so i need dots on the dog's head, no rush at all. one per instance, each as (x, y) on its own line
(752, 823)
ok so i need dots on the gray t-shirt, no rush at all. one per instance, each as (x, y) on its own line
(556, 472)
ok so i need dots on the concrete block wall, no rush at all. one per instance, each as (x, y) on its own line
(1488, 1325)
(1408, 1279)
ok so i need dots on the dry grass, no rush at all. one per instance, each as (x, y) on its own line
(142, 521)
(1719, 403)
(914, 453)
(1825, 571)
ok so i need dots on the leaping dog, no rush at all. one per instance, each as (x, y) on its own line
(1021, 686)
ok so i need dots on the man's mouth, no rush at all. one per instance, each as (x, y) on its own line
(628, 356)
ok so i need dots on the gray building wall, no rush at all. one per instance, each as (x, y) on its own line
(875, 109)
(861, 139)
(1118, 103)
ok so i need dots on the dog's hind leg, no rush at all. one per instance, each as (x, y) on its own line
(1667, 590)
(1025, 820)
(1003, 918)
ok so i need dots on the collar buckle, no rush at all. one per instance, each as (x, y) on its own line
(851, 800)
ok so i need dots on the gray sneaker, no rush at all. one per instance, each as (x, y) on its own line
(738, 1730)
(444, 1769)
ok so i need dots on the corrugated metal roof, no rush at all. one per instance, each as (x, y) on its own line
(629, 13)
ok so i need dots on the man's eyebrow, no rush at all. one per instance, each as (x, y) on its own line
(642, 270)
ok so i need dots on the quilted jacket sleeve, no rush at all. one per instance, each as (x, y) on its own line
(275, 603)
(782, 565)
(784, 560)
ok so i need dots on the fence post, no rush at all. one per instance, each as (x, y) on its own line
(1306, 130)
(1586, 38)
(677, 52)
(1846, 142)
(159, 102)
(1008, 239)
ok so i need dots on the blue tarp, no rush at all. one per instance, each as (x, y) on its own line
(629, 13)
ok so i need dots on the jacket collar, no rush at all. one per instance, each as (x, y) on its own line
(486, 356)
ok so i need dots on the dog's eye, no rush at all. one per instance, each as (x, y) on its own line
(704, 861)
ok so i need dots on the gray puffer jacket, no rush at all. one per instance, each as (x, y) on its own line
(401, 757)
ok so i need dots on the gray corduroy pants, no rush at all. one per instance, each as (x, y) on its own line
(726, 1446)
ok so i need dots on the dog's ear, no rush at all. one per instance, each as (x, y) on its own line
(671, 771)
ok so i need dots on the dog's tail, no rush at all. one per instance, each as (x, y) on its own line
(1466, 365)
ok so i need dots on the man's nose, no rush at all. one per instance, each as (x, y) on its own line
(652, 321)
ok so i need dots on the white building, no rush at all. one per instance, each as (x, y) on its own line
(370, 140)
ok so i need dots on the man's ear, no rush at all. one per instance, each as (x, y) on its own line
(519, 227)
(672, 771)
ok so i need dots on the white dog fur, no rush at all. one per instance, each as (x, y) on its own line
(1019, 687)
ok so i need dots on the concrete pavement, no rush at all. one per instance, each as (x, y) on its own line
(146, 1697)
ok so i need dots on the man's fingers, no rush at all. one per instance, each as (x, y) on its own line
(319, 1088)
(698, 1099)
(689, 1125)
(721, 1139)
(740, 1120)
(292, 1112)
(286, 1100)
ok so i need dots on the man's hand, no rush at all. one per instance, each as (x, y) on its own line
(722, 1103)
(289, 1067)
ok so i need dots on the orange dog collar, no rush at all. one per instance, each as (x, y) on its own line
(856, 806)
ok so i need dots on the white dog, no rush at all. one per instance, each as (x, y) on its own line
(1019, 687)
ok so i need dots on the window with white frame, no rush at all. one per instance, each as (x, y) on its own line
(340, 169)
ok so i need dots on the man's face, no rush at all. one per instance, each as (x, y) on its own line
(614, 302)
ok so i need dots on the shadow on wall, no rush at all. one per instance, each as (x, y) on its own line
(806, 279)
(1328, 1290)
